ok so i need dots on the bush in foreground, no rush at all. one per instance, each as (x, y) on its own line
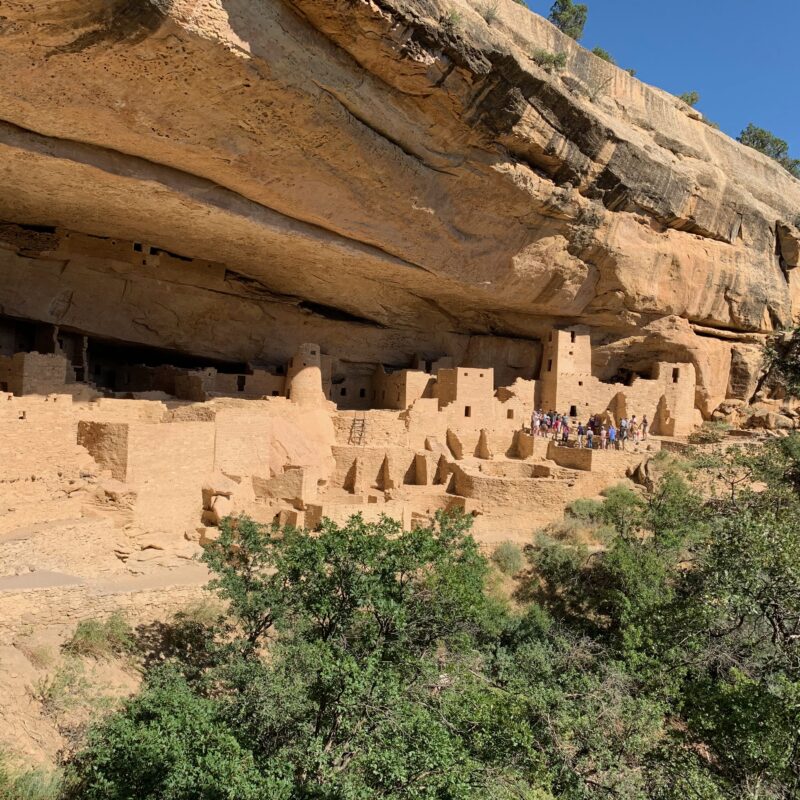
(509, 558)
(366, 662)
(101, 638)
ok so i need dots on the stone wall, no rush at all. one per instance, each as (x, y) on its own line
(107, 442)
(167, 464)
(39, 437)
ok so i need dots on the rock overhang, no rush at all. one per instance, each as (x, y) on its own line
(381, 160)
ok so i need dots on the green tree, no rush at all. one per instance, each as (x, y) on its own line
(169, 742)
(366, 661)
(690, 98)
(366, 623)
(770, 145)
(569, 17)
(700, 600)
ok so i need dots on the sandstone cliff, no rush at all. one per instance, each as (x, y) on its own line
(231, 177)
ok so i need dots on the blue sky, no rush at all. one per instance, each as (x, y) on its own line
(740, 55)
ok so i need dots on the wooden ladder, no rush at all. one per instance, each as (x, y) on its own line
(358, 429)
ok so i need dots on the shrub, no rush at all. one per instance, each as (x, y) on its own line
(710, 433)
(101, 639)
(782, 357)
(61, 690)
(29, 785)
(40, 655)
(168, 743)
(489, 12)
(690, 98)
(770, 145)
(508, 557)
(563, 530)
(604, 54)
(549, 61)
(451, 20)
(586, 510)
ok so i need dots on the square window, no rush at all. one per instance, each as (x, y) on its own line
(510, 413)
(467, 411)
(343, 392)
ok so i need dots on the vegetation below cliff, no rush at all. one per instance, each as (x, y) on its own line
(369, 662)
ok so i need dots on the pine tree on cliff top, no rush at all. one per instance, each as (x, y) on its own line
(569, 18)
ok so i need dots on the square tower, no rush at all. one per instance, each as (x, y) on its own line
(566, 362)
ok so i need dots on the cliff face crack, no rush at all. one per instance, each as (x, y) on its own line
(349, 108)
(337, 314)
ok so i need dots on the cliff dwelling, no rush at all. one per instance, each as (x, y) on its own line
(318, 437)
(364, 420)
(305, 259)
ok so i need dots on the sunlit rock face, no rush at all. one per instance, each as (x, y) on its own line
(229, 178)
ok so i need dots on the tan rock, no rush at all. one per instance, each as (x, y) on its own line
(396, 197)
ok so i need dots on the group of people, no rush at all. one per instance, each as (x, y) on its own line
(594, 434)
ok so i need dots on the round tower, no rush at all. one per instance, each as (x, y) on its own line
(304, 376)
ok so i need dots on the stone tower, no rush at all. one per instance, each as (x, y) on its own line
(304, 376)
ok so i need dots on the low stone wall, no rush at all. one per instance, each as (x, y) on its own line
(570, 457)
(41, 608)
(505, 494)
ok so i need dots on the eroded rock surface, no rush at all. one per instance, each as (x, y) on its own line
(382, 176)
